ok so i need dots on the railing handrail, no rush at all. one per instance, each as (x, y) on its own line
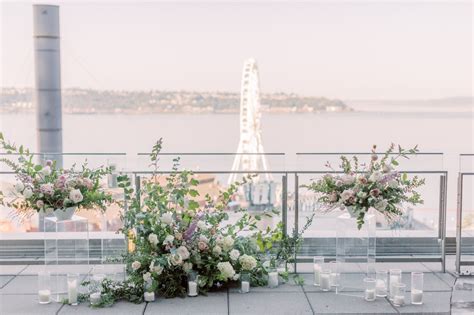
(212, 153)
(365, 153)
(73, 153)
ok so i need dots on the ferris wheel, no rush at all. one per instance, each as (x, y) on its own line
(250, 154)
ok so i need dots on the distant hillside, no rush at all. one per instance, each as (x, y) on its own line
(154, 101)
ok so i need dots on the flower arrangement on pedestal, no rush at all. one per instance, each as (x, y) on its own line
(374, 185)
(47, 188)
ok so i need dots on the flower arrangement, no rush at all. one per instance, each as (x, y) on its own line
(374, 185)
(173, 235)
(49, 188)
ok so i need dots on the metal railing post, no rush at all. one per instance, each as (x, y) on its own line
(442, 219)
(295, 232)
(284, 204)
(138, 188)
(459, 223)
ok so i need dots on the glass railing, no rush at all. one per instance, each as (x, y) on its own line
(420, 235)
(465, 215)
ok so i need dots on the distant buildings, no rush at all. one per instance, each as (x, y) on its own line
(84, 101)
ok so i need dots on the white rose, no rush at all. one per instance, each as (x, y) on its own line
(226, 269)
(234, 254)
(168, 239)
(27, 193)
(187, 267)
(202, 225)
(157, 269)
(387, 168)
(217, 250)
(167, 218)
(153, 239)
(247, 262)
(348, 179)
(228, 242)
(346, 194)
(220, 240)
(19, 187)
(375, 177)
(75, 195)
(46, 171)
(175, 259)
(183, 252)
(136, 265)
(147, 277)
(203, 238)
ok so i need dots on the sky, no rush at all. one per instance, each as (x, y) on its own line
(335, 49)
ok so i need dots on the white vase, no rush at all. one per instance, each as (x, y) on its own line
(65, 213)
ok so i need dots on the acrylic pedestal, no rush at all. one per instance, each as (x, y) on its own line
(66, 250)
(355, 251)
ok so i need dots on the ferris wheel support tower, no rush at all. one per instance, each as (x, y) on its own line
(250, 154)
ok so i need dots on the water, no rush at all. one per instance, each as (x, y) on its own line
(447, 132)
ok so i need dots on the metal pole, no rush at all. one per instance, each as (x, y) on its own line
(459, 223)
(47, 94)
(442, 226)
(138, 188)
(295, 232)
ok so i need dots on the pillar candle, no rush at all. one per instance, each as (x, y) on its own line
(192, 288)
(44, 296)
(245, 287)
(416, 296)
(317, 274)
(324, 282)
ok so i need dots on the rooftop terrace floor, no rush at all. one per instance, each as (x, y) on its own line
(444, 294)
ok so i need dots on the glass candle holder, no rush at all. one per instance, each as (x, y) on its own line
(95, 289)
(72, 288)
(417, 288)
(369, 294)
(244, 282)
(395, 278)
(149, 294)
(193, 283)
(272, 278)
(318, 263)
(381, 283)
(335, 275)
(44, 287)
(282, 270)
(399, 296)
(325, 282)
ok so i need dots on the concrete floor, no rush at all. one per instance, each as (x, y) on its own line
(444, 294)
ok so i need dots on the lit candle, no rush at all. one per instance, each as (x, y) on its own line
(149, 296)
(399, 300)
(324, 282)
(95, 298)
(416, 296)
(192, 288)
(245, 287)
(72, 291)
(317, 274)
(273, 279)
(370, 295)
(381, 288)
(44, 296)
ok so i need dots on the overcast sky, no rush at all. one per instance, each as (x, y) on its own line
(354, 50)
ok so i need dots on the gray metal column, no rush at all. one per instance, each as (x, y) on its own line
(47, 95)
(459, 224)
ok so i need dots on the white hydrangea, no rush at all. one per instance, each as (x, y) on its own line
(183, 252)
(27, 193)
(247, 262)
(217, 250)
(228, 243)
(202, 225)
(19, 187)
(153, 239)
(136, 265)
(234, 254)
(226, 269)
(167, 218)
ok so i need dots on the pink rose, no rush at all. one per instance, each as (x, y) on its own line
(40, 204)
(202, 246)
